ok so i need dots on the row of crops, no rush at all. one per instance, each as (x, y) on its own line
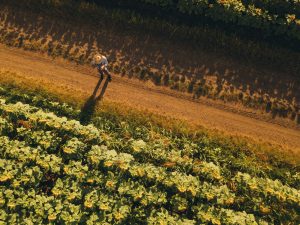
(280, 17)
(274, 18)
(56, 170)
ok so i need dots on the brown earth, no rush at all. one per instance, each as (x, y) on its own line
(154, 99)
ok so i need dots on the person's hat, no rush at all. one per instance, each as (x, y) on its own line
(98, 58)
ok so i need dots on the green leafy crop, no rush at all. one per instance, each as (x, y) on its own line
(54, 170)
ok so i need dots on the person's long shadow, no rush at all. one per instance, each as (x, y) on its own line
(88, 109)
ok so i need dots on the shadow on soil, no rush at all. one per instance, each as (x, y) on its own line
(88, 109)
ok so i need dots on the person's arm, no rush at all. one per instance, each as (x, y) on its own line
(104, 63)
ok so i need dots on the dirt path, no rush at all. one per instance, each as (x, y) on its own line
(140, 95)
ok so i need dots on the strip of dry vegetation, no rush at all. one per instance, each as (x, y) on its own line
(179, 66)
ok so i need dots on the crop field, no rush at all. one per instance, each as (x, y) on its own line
(56, 170)
(272, 17)
(200, 122)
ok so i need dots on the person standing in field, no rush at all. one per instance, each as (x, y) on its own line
(100, 61)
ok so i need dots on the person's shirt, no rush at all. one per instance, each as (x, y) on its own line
(102, 62)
